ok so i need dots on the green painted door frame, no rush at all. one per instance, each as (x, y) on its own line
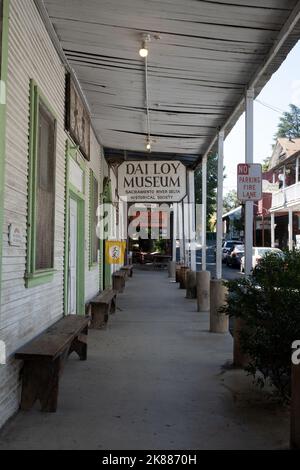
(3, 78)
(80, 253)
(107, 199)
(71, 192)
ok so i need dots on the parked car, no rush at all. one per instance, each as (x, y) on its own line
(227, 246)
(234, 257)
(258, 254)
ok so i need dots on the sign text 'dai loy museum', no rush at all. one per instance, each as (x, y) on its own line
(157, 181)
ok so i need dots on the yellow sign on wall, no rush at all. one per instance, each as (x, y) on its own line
(115, 252)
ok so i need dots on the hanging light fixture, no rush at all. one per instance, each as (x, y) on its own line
(144, 51)
(148, 145)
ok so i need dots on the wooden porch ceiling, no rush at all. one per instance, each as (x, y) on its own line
(203, 54)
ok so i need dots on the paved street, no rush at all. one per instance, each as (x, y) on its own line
(228, 273)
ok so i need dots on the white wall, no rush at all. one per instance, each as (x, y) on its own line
(24, 313)
(92, 281)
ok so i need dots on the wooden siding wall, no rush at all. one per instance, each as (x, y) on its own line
(24, 313)
(92, 283)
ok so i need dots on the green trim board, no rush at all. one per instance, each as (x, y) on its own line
(66, 237)
(101, 259)
(101, 264)
(74, 154)
(80, 253)
(106, 198)
(40, 278)
(92, 177)
(76, 191)
(72, 192)
(34, 277)
(3, 78)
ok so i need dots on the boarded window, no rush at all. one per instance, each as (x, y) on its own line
(94, 219)
(77, 118)
(45, 190)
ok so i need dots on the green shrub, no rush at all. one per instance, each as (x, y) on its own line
(268, 302)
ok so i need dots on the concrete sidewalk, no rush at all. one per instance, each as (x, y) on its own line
(154, 380)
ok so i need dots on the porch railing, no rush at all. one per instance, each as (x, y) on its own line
(286, 196)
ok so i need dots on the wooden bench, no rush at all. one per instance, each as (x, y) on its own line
(44, 358)
(119, 281)
(128, 269)
(102, 306)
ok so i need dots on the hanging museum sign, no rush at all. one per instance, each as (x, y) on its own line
(78, 122)
(152, 181)
(249, 184)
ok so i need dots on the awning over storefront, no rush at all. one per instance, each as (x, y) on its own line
(203, 55)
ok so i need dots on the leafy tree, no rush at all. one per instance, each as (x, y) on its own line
(231, 201)
(212, 184)
(289, 124)
(266, 164)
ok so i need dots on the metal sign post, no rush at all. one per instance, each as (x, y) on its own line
(219, 270)
(249, 185)
(249, 189)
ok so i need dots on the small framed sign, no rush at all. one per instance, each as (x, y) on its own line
(14, 235)
(115, 252)
(78, 122)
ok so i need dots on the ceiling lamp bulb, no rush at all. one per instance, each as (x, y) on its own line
(148, 146)
(144, 52)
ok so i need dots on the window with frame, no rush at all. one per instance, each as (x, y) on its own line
(42, 166)
(94, 202)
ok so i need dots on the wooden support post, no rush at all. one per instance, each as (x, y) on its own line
(191, 288)
(295, 408)
(220, 205)
(219, 322)
(249, 205)
(273, 230)
(204, 213)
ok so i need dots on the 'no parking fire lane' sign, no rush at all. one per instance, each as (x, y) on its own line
(249, 182)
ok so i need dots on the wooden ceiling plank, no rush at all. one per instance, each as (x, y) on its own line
(201, 59)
